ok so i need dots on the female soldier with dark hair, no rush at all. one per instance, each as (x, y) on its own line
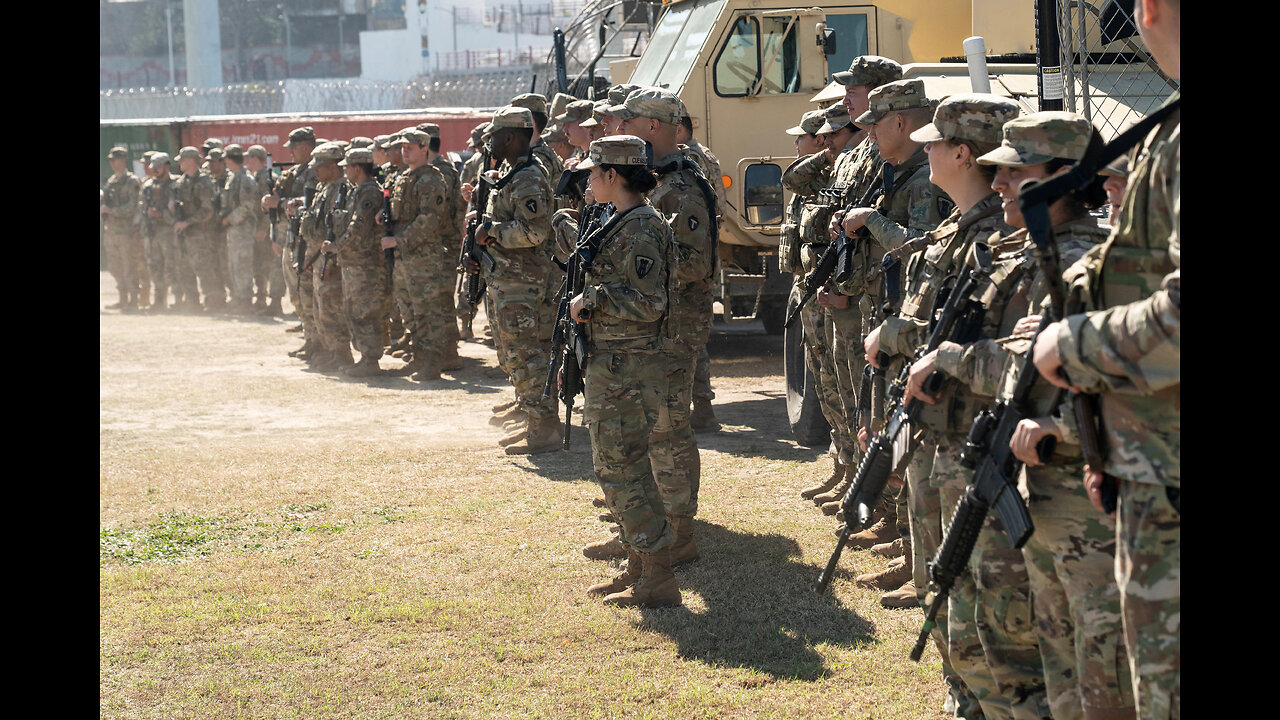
(1070, 558)
(629, 279)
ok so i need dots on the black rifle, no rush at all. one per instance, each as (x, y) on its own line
(337, 203)
(568, 339)
(470, 248)
(877, 464)
(273, 215)
(557, 44)
(300, 253)
(388, 254)
(826, 265)
(146, 217)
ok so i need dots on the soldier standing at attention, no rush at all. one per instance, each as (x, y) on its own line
(195, 191)
(420, 210)
(451, 237)
(215, 166)
(626, 305)
(1129, 351)
(119, 209)
(239, 212)
(293, 185)
(267, 274)
(688, 203)
(358, 249)
(327, 214)
(546, 158)
(516, 229)
(163, 256)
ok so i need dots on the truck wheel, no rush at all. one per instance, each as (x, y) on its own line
(773, 314)
(803, 412)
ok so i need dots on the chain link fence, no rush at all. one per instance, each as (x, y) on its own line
(1108, 75)
(491, 88)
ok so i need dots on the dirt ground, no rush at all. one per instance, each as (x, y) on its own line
(279, 542)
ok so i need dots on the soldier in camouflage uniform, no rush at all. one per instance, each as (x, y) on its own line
(471, 170)
(292, 187)
(215, 167)
(686, 199)
(268, 277)
(420, 209)
(323, 220)
(1127, 349)
(238, 213)
(1070, 558)
(451, 237)
(195, 192)
(357, 248)
(119, 209)
(169, 268)
(546, 157)
(629, 284)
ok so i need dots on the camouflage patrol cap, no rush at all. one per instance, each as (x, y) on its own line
(257, 151)
(558, 103)
(117, 152)
(810, 123)
(834, 118)
(431, 129)
(361, 141)
(411, 136)
(477, 133)
(1041, 137)
(146, 156)
(357, 156)
(159, 159)
(234, 152)
(212, 143)
(892, 97)
(189, 152)
(653, 103)
(599, 109)
(326, 152)
(976, 117)
(576, 111)
(344, 144)
(509, 117)
(533, 102)
(617, 150)
(872, 70)
(555, 134)
(215, 154)
(618, 93)
(302, 134)
(382, 141)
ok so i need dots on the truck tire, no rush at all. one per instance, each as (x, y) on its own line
(773, 314)
(804, 414)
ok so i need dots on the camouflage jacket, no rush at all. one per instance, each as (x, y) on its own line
(315, 222)
(1130, 349)
(708, 163)
(161, 193)
(195, 193)
(359, 239)
(263, 178)
(987, 368)
(452, 236)
(548, 160)
(471, 168)
(680, 199)
(519, 208)
(121, 194)
(294, 181)
(628, 282)
(421, 212)
(241, 200)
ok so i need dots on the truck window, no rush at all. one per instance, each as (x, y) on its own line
(756, 48)
(762, 194)
(851, 40)
(675, 45)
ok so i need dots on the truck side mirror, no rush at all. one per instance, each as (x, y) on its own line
(827, 40)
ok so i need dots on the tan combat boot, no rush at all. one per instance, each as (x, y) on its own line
(836, 493)
(515, 412)
(703, 418)
(429, 369)
(656, 588)
(631, 572)
(837, 474)
(893, 576)
(543, 435)
(882, 531)
(515, 434)
(605, 550)
(409, 368)
(367, 367)
(504, 406)
(888, 550)
(903, 597)
(683, 550)
(452, 360)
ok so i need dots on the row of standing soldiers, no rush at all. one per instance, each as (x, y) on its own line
(1056, 329)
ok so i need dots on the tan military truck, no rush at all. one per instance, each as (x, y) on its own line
(747, 69)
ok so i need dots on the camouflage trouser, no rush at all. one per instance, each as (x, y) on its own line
(818, 356)
(418, 279)
(623, 398)
(364, 302)
(163, 261)
(523, 325)
(702, 376)
(202, 251)
(444, 303)
(240, 260)
(1071, 564)
(673, 448)
(301, 294)
(125, 261)
(267, 274)
(1148, 573)
(331, 321)
(996, 608)
(963, 643)
(220, 244)
(848, 359)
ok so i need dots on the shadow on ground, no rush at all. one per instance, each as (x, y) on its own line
(757, 428)
(761, 610)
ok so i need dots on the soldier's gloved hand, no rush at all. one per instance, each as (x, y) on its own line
(1028, 434)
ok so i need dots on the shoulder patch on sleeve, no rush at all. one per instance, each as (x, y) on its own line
(643, 266)
(944, 206)
(693, 222)
(532, 205)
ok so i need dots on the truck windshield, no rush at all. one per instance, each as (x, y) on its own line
(676, 44)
